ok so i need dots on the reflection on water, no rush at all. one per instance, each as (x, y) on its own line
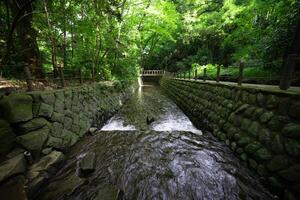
(149, 102)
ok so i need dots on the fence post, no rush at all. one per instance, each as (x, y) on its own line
(218, 73)
(189, 74)
(286, 74)
(80, 76)
(183, 75)
(196, 74)
(93, 75)
(28, 77)
(204, 74)
(241, 71)
(62, 80)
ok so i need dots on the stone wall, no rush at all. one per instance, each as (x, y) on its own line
(37, 121)
(261, 126)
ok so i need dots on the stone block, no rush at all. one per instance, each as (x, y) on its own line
(48, 97)
(17, 107)
(294, 110)
(278, 144)
(263, 154)
(46, 110)
(7, 137)
(272, 102)
(34, 141)
(245, 124)
(55, 142)
(34, 124)
(265, 117)
(292, 147)
(56, 129)
(265, 137)
(277, 163)
(252, 147)
(291, 174)
(292, 131)
(57, 117)
(254, 129)
(261, 99)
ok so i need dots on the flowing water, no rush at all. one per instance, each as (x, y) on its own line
(151, 150)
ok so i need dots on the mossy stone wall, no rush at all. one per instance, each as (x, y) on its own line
(55, 119)
(262, 127)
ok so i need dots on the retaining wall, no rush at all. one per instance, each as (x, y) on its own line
(261, 126)
(37, 121)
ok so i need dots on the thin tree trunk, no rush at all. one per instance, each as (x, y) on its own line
(53, 42)
(65, 34)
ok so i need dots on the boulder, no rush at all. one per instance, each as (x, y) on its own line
(17, 107)
(92, 130)
(87, 163)
(34, 141)
(13, 166)
(7, 137)
(45, 164)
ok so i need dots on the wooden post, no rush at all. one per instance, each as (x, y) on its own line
(28, 78)
(287, 72)
(196, 74)
(204, 74)
(80, 74)
(241, 71)
(189, 74)
(183, 75)
(93, 75)
(218, 73)
(62, 80)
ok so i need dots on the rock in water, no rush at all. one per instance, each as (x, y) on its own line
(42, 170)
(87, 164)
(13, 166)
(150, 120)
(92, 130)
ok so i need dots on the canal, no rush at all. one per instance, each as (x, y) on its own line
(151, 150)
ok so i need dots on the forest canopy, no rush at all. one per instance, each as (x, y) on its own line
(116, 38)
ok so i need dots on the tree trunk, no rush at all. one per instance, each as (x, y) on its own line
(53, 42)
(27, 35)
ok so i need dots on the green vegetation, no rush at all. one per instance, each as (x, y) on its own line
(114, 39)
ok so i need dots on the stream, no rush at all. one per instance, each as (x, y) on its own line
(151, 150)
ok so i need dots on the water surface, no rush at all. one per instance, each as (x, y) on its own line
(167, 158)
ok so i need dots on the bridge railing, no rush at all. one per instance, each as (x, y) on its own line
(153, 72)
(157, 73)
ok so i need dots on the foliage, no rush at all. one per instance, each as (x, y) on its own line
(114, 39)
